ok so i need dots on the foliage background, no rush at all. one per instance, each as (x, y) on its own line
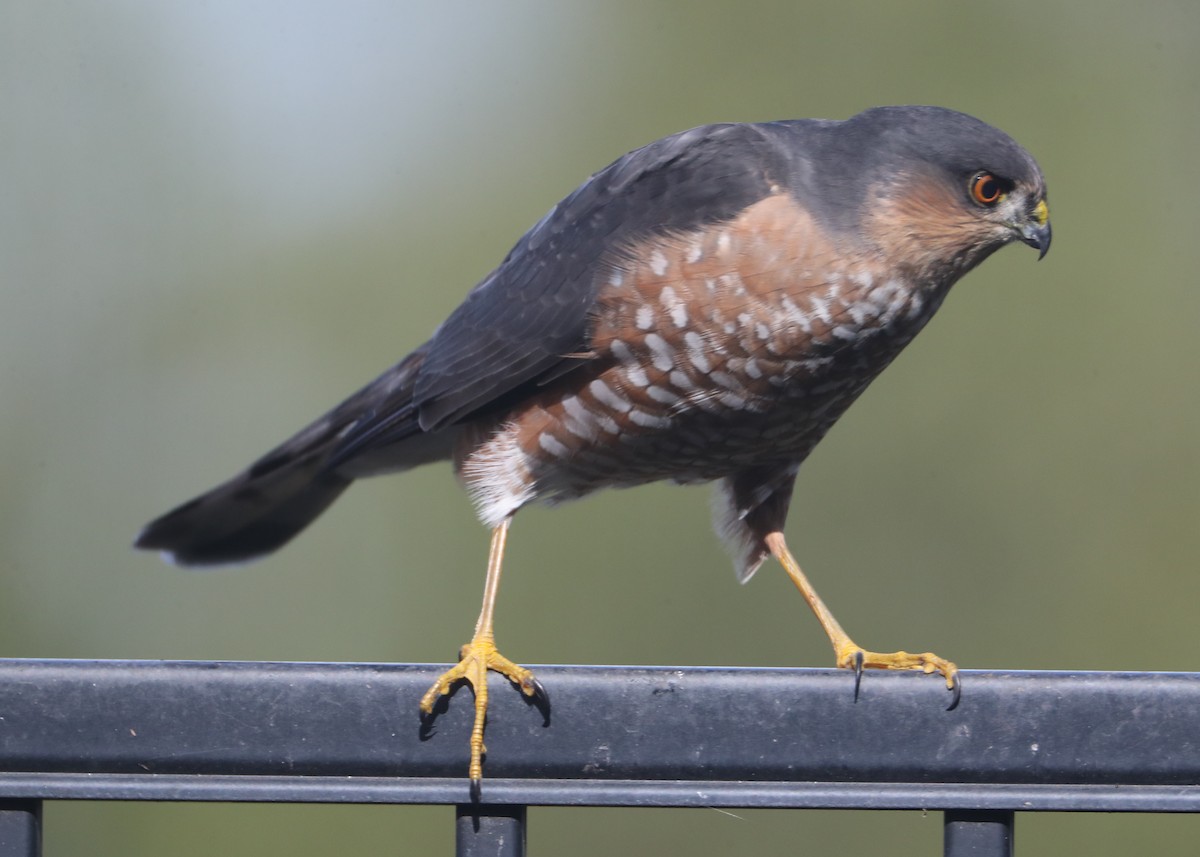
(217, 219)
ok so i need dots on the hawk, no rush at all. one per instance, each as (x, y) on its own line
(703, 309)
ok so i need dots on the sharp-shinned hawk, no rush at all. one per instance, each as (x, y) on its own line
(702, 309)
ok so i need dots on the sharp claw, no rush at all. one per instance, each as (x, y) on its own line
(956, 689)
(427, 715)
(539, 692)
(858, 672)
(476, 790)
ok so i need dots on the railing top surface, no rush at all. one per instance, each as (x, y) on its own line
(662, 736)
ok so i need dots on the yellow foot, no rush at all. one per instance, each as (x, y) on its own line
(479, 656)
(850, 656)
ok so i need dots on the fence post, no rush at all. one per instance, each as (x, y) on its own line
(483, 830)
(20, 828)
(978, 833)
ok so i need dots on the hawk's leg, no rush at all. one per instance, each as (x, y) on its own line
(848, 654)
(479, 656)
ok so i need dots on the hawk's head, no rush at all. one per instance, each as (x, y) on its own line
(932, 190)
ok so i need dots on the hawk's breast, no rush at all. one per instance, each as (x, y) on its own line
(713, 351)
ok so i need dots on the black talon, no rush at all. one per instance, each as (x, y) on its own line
(858, 672)
(956, 689)
(476, 791)
(538, 697)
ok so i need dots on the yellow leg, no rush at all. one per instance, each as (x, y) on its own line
(479, 656)
(848, 654)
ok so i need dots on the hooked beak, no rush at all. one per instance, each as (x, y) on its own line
(1036, 231)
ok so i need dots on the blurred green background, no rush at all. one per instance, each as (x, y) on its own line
(217, 219)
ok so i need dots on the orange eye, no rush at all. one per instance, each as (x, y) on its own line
(985, 189)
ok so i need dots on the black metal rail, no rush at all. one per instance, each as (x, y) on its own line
(615, 736)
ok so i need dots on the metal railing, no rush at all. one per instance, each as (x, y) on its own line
(614, 736)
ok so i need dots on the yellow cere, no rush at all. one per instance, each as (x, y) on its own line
(1041, 213)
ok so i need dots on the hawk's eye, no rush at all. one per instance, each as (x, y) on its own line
(986, 189)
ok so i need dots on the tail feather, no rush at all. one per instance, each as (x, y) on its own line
(249, 516)
(265, 506)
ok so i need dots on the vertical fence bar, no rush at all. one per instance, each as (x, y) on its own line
(20, 828)
(978, 833)
(488, 831)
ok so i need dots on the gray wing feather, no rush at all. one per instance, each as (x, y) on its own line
(524, 320)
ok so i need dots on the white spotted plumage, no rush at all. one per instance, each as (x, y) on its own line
(606, 396)
(662, 355)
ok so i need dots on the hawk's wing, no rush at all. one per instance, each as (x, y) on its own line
(521, 324)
